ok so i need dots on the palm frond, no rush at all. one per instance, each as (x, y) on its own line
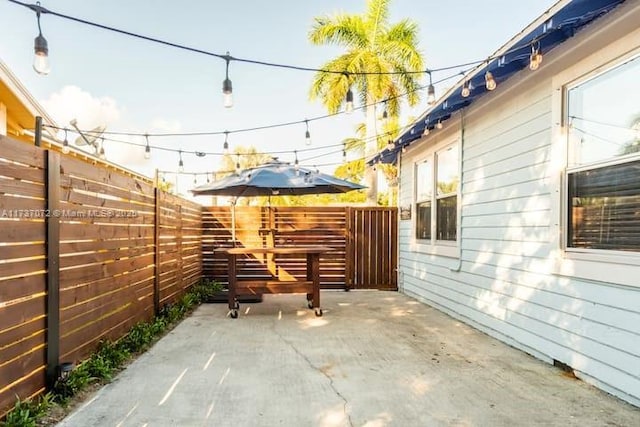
(343, 30)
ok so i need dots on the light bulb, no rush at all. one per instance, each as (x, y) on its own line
(466, 90)
(41, 58)
(180, 166)
(307, 138)
(348, 108)
(490, 82)
(102, 154)
(535, 60)
(147, 152)
(227, 100)
(431, 95)
(65, 146)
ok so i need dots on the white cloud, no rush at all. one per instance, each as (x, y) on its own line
(71, 102)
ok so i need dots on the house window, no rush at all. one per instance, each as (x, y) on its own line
(424, 196)
(437, 179)
(603, 173)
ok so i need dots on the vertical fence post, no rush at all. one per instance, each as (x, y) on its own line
(38, 135)
(52, 245)
(156, 246)
(349, 253)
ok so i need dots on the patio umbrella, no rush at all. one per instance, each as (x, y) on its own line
(274, 178)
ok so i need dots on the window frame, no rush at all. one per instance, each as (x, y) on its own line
(569, 169)
(432, 245)
(618, 268)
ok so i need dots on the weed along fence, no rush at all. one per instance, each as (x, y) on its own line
(362, 240)
(86, 252)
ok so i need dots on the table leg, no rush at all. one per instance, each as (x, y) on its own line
(309, 278)
(315, 277)
(231, 298)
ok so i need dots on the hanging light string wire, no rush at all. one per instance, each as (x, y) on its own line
(229, 132)
(226, 57)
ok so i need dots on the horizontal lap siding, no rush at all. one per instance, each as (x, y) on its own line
(22, 271)
(506, 285)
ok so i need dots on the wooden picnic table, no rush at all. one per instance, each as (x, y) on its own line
(310, 286)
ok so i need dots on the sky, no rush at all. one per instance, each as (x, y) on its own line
(99, 77)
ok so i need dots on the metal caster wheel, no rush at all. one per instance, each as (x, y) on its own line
(310, 304)
(233, 313)
(318, 312)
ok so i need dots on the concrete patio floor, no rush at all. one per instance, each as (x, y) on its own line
(374, 359)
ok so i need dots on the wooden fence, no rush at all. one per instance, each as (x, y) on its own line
(362, 241)
(85, 253)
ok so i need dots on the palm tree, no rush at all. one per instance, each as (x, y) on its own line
(373, 45)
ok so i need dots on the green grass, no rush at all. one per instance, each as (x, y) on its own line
(108, 358)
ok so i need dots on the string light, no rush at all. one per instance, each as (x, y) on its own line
(490, 82)
(384, 112)
(348, 108)
(225, 147)
(65, 143)
(536, 58)
(147, 148)
(431, 91)
(307, 135)
(40, 46)
(101, 154)
(227, 88)
(466, 89)
(251, 129)
(296, 163)
(180, 162)
(238, 170)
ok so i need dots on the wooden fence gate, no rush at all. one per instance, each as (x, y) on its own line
(372, 250)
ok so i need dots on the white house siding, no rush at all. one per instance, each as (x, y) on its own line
(504, 282)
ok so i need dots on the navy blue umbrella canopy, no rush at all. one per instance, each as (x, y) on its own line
(276, 178)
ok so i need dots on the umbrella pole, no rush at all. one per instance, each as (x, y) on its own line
(233, 222)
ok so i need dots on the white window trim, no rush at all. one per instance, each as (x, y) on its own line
(615, 267)
(432, 246)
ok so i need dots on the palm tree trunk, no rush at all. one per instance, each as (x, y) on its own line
(371, 147)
